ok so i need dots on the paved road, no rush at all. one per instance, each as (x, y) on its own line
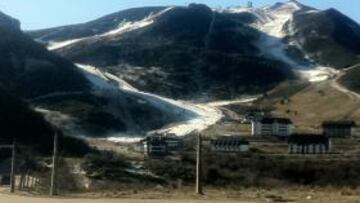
(21, 199)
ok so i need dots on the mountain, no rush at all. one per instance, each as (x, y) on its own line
(179, 52)
(192, 52)
(30, 70)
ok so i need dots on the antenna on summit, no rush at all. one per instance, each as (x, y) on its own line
(249, 4)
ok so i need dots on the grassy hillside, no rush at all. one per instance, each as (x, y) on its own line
(310, 106)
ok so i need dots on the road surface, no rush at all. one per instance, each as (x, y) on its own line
(4, 198)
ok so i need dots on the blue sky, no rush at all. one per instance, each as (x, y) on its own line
(36, 14)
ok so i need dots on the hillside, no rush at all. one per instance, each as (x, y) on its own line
(28, 70)
(30, 129)
(311, 104)
(16, 113)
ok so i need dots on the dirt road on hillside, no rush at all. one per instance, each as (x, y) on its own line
(21, 199)
(335, 83)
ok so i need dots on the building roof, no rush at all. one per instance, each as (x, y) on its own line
(160, 139)
(155, 140)
(229, 141)
(342, 123)
(270, 120)
(305, 139)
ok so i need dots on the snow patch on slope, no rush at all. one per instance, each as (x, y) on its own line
(318, 73)
(130, 26)
(258, 13)
(123, 27)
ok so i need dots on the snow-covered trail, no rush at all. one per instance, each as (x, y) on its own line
(271, 41)
(197, 117)
(59, 45)
(231, 102)
(123, 27)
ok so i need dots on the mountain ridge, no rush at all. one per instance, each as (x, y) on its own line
(9, 22)
(85, 29)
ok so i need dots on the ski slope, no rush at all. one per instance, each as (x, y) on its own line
(123, 27)
(271, 22)
(197, 117)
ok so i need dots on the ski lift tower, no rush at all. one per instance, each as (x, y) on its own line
(250, 4)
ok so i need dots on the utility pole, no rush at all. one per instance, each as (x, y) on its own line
(199, 166)
(54, 165)
(12, 173)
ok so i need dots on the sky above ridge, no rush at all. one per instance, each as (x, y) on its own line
(38, 14)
